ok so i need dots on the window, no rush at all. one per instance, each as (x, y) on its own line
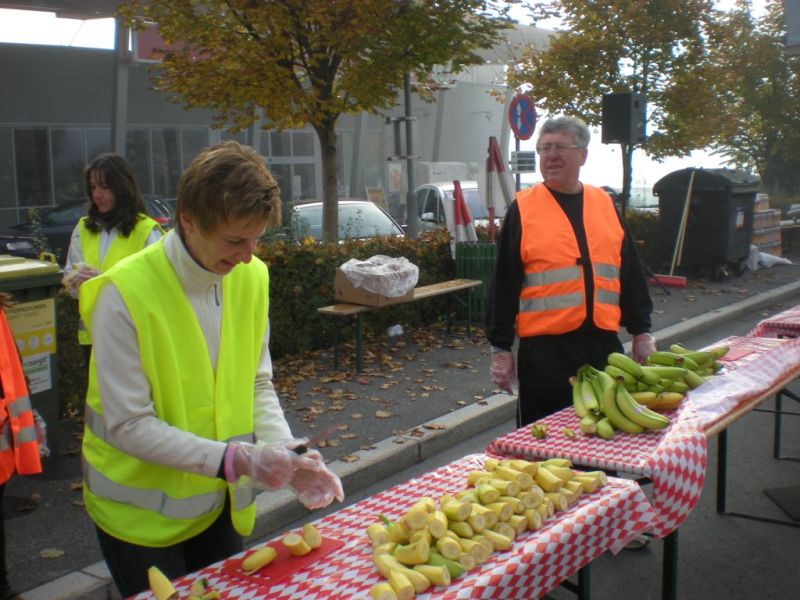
(166, 162)
(192, 142)
(137, 151)
(7, 197)
(33, 167)
(69, 161)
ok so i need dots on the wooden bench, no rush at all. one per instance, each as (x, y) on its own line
(419, 293)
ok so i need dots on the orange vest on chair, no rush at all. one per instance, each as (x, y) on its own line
(19, 447)
(553, 295)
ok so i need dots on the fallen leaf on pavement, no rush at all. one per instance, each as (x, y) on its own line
(349, 458)
(356, 416)
(434, 426)
(348, 436)
(382, 414)
(78, 503)
(76, 485)
(51, 553)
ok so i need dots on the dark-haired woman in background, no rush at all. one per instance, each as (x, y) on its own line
(115, 227)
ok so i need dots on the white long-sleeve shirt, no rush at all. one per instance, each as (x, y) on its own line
(130, 418)
(75, 253)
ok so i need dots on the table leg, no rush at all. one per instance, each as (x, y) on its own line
(359, 331)
(585, 582)
(722, 469)
(469, 313)
(336, 344)
(776, 437)
(447, 314)
(669, 573)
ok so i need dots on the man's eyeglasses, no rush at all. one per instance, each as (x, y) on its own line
(557, 148)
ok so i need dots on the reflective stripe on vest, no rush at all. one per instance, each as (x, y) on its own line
(553, 296)
(19, 446)
(176, 508)
(120, 247)
(186, 393)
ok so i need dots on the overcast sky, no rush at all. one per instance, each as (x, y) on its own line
(603, 167)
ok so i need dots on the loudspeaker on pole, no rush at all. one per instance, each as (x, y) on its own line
(624, 118)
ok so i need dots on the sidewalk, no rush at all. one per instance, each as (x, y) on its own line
(422, 394)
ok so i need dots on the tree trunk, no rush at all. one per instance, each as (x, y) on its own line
(326, 131)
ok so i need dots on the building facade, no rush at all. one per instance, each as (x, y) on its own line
(58, 105)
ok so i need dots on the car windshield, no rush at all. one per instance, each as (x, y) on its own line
(355, 221)
(67, 214)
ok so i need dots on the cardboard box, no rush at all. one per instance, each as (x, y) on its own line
(345, 291)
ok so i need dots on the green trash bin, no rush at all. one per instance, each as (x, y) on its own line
(475, 260)
(33, 285)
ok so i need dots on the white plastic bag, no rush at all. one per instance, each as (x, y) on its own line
(384, 275)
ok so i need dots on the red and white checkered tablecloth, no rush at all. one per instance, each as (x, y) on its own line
(674, 458)
(784, 324)
(762, 365)
(537, 562)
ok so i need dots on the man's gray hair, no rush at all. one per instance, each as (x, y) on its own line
(570, 125)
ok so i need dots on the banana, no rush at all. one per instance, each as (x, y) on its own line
(160, 585)
(693, 379)
(719, 351)
(437, 575)
(675, 385)
(456, 570)
(641, 415)
(616, 373)
(666, 372)
(295, 544)
(260, 559)
(668, 401)
(665, 358)
(614, 414)
(589, 397)
(577, 398)
(605, 429)
(679, 349)
(588, 424)
(645, 398)
(606, 380)
(626, 363)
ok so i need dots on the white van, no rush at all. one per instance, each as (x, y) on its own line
(435, 205)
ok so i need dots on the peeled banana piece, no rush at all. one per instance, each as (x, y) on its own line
(160, 585)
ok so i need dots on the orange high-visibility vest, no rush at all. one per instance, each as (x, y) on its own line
(552, 299)
(19, 447)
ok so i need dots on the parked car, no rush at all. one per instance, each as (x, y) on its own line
(435, 204)
(358, 219)
(56, 226)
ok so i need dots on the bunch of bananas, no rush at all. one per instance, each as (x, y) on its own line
(604, 404)
(435, 542)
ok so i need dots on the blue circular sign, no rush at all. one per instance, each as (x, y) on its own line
(522, 116)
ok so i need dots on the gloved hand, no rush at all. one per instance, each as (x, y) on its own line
(316, 486)
(642, 346)
(269, 466)
(503, 371)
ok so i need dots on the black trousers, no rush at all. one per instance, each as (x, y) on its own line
(128, 563)
(545, 364)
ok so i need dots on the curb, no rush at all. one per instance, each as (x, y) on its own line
(275, 510)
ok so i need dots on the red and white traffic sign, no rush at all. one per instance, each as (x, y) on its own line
(522, 116)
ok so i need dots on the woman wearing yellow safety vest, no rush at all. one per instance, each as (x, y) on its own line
(116, 226)
(180, 402)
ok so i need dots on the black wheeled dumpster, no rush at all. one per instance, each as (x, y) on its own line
(33, 285)
(719, 222)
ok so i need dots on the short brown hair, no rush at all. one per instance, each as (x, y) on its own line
(228, 181)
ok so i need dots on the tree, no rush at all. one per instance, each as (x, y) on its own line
(299, 62)
(756, 85)
(652, 47)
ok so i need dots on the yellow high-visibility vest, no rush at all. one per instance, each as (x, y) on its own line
(154, 505)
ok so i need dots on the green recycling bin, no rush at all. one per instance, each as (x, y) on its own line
(33, 285)
(475, 260)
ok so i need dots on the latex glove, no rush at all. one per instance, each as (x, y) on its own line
(269, 466)
(503, 371)
(316, 486)
(642, 346)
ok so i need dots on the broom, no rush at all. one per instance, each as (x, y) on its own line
(672, 279)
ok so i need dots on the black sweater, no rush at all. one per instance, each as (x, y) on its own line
(503, 295)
